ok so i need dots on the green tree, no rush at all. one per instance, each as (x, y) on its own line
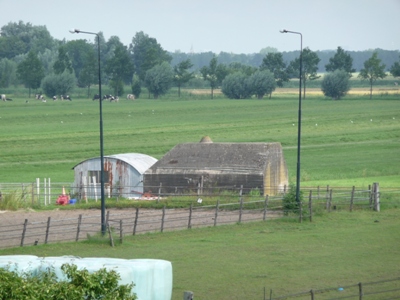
(274, 63)
(77, 53)
(239, 67)
(235, 86)
(372, 71)
(290, 205)
(146, 53)
(63, 62)
(262, 83)
(119, 68)
(310, 62)
(340, 61)
(30, 72)
(158, 79)
(89, 72)
(395, 69)
(136, 86)
(58, 84)
(19, 38)
(8, 70)
(214, 73)
(336, 84)
(182, 74)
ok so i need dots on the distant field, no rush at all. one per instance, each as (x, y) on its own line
(340, 144)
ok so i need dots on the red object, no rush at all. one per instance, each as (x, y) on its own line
(62, 200)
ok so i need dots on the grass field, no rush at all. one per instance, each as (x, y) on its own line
(353, 141)
(239, 261)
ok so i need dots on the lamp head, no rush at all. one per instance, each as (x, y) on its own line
(74, 30)
(283, 31)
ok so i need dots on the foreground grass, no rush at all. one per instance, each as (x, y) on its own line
(340, 143)
(238, 261)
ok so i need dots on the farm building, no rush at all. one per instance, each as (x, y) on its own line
(205, 165)
(122, 175)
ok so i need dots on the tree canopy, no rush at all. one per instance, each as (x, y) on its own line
(340, 61)
(335, 84)
(274, 63)
(182, 74)
(158, 79)
(372, 71)
(214, 73)
(31, 72)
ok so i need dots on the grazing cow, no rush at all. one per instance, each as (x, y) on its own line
(65, 97)
(54, 98)
(39, 97)
(116, 99)
(108, 97)
(4, 98)
(96, 97)
(130, 97)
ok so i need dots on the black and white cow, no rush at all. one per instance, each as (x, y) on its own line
(65, 97)
(39, 97)
(54, 98)
(96, 97)
(130, 97)
(4, 98)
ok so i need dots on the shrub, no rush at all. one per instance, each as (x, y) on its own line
(81, 284)
(290, 205)
(235, 86)
(335, 85)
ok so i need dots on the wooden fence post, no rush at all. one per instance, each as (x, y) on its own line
(216, 213)
(310, 204)
(136, 220)
(110, 235)
(23, 232)
(370, 196)
(107, 216)
(301, 212)
(47, 230)
(121, 236)
(241, 210)
(265, 208)
(360, 291)
(162, 219)
(190, 216)
(159, 192)
(312, 294)
(79, 228)
(352, 198)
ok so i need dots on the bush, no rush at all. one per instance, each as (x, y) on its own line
(235, 86)
(81, 284)
(336, 85)
(290, 205)
(58, 84)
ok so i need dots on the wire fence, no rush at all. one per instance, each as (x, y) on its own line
(19, 229)
(383, 289)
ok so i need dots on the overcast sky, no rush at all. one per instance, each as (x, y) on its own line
(237, 26)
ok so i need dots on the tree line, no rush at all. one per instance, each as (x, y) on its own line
(29, 55)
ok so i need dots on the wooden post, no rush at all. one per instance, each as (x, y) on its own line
(301, 212)
(241, 192)
(327, 198)
(352, 198)
(310, 205)
(110, 235)
(265, 208)
(240, 210)
(330, 200)
(159, 192)
(370, 196)
(136, 220)
(23, 232)
(47, 230)
(190, 216)
(312, 294)
(121, 236)
(360, 291)
(162, 219)
(216, 213)
(107, 216)
(187, 295)
(79, 228)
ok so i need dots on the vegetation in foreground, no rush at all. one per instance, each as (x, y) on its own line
(336, 249)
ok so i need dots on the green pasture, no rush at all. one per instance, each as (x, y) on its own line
(354, 141)
(238, 261)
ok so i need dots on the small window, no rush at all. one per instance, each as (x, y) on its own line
(96, 174)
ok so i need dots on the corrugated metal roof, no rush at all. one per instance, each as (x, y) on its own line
(141, 162)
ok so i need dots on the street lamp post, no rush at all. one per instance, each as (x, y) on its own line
(299, 118)
(103, 206)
